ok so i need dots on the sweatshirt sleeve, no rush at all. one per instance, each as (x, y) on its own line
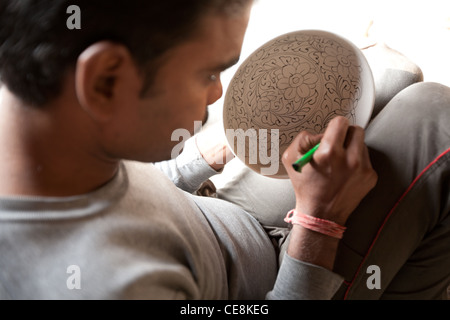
(298, 280)
(189, 170)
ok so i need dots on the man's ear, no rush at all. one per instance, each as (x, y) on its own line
(100, 70)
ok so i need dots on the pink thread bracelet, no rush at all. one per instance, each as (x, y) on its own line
(323, 226)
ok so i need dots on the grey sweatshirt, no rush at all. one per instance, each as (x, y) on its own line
(142, 237)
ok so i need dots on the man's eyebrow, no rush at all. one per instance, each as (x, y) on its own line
(226, 65)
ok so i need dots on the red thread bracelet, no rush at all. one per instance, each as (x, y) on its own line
(323, 226)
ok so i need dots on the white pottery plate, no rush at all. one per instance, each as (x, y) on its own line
(298, 81)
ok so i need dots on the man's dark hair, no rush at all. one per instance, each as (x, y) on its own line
(37, 47)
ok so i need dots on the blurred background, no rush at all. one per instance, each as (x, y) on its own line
(418, 29)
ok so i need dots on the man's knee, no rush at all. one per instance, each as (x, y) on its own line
(423, 103)
(424, 96)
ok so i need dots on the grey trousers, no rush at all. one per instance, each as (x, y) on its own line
(397, 243)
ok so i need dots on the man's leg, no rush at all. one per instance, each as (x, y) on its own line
(399, 236)
(402, 227)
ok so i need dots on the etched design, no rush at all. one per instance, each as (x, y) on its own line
(298, 81)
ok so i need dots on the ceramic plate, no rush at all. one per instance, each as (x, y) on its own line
(297, 81)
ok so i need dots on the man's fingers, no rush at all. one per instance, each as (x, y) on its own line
(301, 144)
(307, 141)
(356, 148)
(336, 132)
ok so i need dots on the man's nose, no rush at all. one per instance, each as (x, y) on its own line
(215, 92)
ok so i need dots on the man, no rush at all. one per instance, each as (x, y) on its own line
(75, 104)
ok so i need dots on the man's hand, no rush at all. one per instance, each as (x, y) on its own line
(330, 187)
